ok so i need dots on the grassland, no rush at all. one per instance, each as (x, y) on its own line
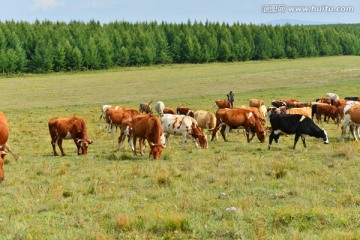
(308, 193)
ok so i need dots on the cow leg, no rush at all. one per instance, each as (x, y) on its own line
(352, 129)
(141, 146)
(167, 139)
(214, 132)
(297, 136)
(222, 131)
(134, 143)
(53, 144)
(303, 140)
(59, 142)
(271, 137)
(184, 138)
(130, 142)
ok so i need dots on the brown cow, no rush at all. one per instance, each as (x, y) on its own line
(340, 102)
(278, 103)
(145, 108)
(148, 127)
(328, 111)
(4, 135)
(235, 118)
(114, 117)
(184, 111)
(290, 103)
(256, 113)
(169, 111)
(306, 111)
(69, 128)
(276, 110)
(126, 130)
(223, 103)
(256, 102)
(324, 100)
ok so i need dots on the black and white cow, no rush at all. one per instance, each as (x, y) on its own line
(295, 124)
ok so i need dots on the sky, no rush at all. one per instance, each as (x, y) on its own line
(177, 11)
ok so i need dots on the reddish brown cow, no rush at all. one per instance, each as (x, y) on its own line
(256, 102)
(324, 100)
(114, 117)
(169, 111)
(278, 103)
(301, 104)
(235, 118)
(290, 103)
(256, 113)
(184, 111)
(223, 103)
(148, 127)
(328, 111)
(4, 135)
(340, 102)
(69, 128)
(126, 130)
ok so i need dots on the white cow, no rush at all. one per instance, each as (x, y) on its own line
(159, 107)
(332, 96)
(182, 125)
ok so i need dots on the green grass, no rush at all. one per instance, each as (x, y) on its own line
(308, 193)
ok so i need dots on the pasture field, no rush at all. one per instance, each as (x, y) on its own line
(311, 193)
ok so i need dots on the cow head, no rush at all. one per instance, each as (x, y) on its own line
(2, 156)
(83, 144)
(325, 137)
(156, 150)
(199, 136)
(261, 135)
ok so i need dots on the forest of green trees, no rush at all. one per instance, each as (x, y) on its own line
(42, 47)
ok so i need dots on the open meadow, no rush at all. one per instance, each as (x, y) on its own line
(232, 190)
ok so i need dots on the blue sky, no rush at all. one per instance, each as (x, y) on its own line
(176, 11)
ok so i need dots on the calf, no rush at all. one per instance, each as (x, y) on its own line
(328, 111)
(69, 128)
(295, 124)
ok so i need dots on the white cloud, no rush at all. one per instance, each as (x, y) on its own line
(46, 4)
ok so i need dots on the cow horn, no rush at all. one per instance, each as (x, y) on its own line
(78, 141)
(152, 144)
(3, 153)
(90, 141)
(163, 145)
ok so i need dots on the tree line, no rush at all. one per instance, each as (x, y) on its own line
(46, 46)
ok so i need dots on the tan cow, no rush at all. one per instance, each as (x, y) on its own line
(205, 120)
(69, 128)
(223, 103)
(306, 111)
(148, 127)
(256, 113)
(256, 102)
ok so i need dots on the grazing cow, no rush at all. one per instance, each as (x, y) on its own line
(4, 135)
(256, 113)
(278, 103)
(328, 111)
(353, 98)
(306, 111)
(159, 107)
(294, 124)
(332, 96)
(114, 117)
(223, 103)
(69, 128)
(182, 125)
(276, 110)
(256, 102)
(205, 120)
(148, 127)
(184, 111)
(352, 118)
(145, 108)
(235, 118)
(169, 111)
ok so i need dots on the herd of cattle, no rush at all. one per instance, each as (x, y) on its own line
(287, 116)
